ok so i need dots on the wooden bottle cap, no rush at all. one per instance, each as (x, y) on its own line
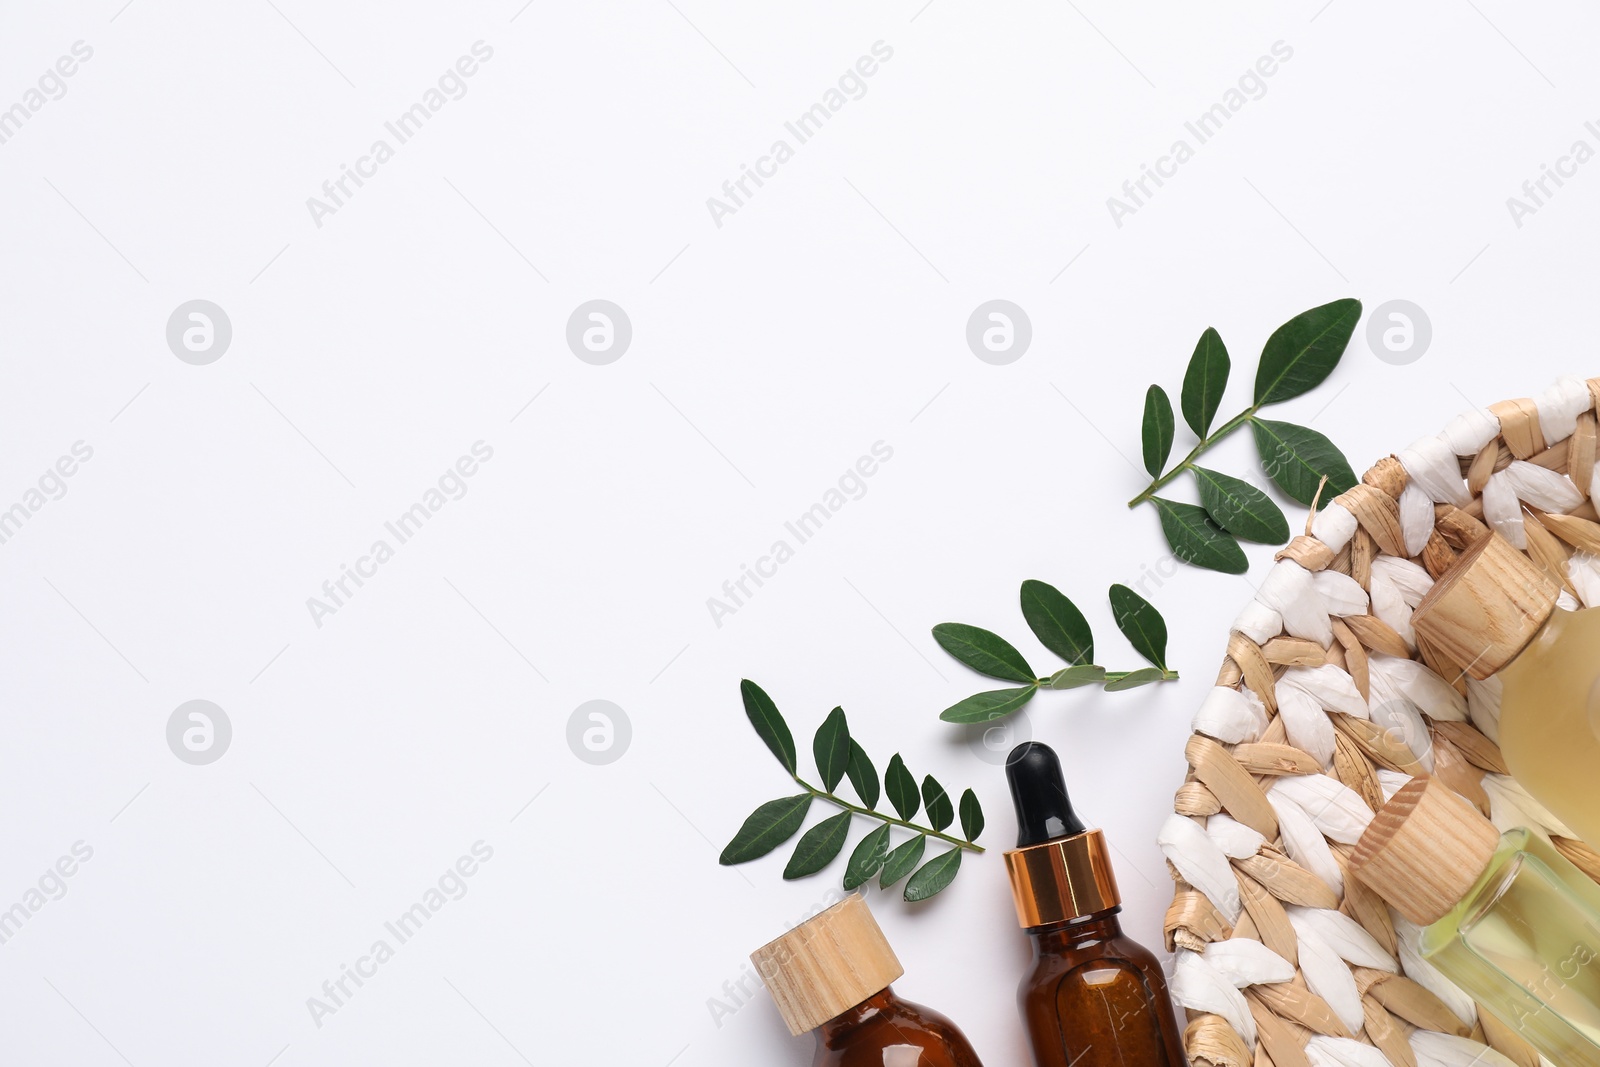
(827, 965)
(1424, 850)
(1486, 607)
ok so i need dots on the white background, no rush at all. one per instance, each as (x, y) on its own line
(826, 314)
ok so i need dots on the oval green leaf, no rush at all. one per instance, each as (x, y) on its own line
(818, 846)
(1134, 679)
(1073, 677)
(986, 707)
(985, 652)
(1157, 431)
(901, 860)
(1204, 382)
(769, 724)
(1140, 623)
(863, 775)
(1296, 458)
(867, 858)
(936, 802)
(971, 816)
(1240, 508)
(1057, 622)
(1302, 352)
(768, 826)
(933, 876)
(901, 787)
(1195, 539)
(831, 748)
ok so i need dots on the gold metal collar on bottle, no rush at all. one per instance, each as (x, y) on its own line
(1063, 879)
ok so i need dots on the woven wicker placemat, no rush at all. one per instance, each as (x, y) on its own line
(1323, 708)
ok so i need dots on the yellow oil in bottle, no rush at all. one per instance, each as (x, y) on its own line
(1525, 943)
(1550, 719)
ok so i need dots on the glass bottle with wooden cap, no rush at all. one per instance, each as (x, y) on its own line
(831, 974)
(1506, 917)
(1494, 611)
(1095, 997)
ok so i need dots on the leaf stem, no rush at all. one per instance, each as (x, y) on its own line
(1188, 461)
(823, 794)
(1167, 675)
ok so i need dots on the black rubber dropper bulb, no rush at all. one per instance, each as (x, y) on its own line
(1039, 793)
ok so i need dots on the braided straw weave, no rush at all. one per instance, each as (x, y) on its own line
(1323, 708)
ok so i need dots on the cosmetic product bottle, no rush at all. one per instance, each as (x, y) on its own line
(1095, 997)
(1506, 917)
(831, 974)
(1494, 610)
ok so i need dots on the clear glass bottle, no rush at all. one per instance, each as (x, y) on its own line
(831, 974)
(1506, 917)
(1094, 997)
(1494, 611)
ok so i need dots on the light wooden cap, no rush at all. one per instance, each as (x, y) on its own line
(1424, 850)
(827, 965)
(1486, 607)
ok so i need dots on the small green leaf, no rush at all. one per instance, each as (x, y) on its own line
(1073, 677)
(901, 787)
(1195, 539)
(831, 748)
(1204, 382)
(1140, 623)
(1302, 352)
(768, 826)
(1240, 508)
(1157, 430)
(937, 803)
(769, 724)
(867, 858)
(901, 860)
(863, 775)
(818, 846)
(1296, 458)
(985, 652)
(933, 876)
(1134, 679)
(986, 707)
(1057, 622)
(971, 816)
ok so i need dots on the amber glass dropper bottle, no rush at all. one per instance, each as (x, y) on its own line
(831, 974)
(1095, 997)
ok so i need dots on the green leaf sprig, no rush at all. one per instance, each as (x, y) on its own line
(1297, 358)
(838, 756)
(1061, 628)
